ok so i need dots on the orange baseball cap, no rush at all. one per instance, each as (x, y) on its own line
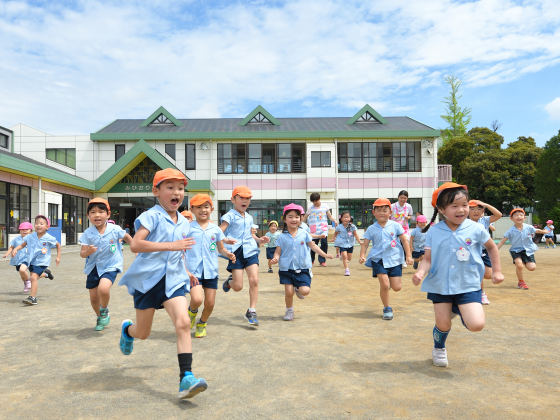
(168, 173)
(474, 203)
(101, 201)
(200, 199)
(187, 213)
(381, 202)
(516, 209)
(443, 187)
(242, 191)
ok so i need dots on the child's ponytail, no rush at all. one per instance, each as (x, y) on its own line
(285, 227)
(431, 221)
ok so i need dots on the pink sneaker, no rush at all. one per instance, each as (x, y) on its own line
(485, 300)
(347, 272)
(298, 294)
(26, 286)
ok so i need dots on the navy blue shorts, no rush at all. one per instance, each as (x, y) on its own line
(270, 253)
(460, 299)
(349, 250)
(93, 278)
(523, 255)
(18, 266)
(486, 259)
(38, 269)
(296, 279)
(155, 297)
(241, 262)
(378, 268)
(209, 283)
(549, 236)
(417, 254)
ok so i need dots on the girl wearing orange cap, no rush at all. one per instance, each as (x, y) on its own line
(104, 260)
(522, 248)
(454, 267)
(476, 214)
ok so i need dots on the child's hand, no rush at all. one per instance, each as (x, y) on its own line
(362, 260)
(497, 278)
(91, 249)
(231, 257)
(265, 240)
(14, 253)
(229, 241)
(274, 261)
(182, 244)
(329, 256)
(6, 254)
(57, 261)
(409, 261)
(193, 279)
(417, 277)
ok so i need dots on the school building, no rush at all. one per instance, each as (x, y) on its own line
(351, 161)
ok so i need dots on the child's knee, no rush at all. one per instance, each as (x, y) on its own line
(531, 267)
(304, 290)
(396, 287)
(236, 286)
(475, 326)
(183, 324)
(253, 281)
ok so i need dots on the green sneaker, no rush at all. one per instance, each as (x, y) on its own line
(99, 326)
(105, 318)
(192, 316)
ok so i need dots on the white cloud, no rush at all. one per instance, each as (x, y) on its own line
(74, 70)
(553, 109)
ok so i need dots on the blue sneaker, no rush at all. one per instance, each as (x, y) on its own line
(190, 386)
(126, 343)
(226, 285)
(388, 313)
(415, 265)
(251, 317)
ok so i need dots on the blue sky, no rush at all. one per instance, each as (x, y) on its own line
(70, 67)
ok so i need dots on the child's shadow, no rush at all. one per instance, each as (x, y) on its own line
(111, 380)
(83, 334)
(423, 367)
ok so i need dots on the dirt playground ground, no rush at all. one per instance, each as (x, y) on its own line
(338, 359)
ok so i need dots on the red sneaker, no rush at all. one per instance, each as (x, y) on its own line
(313, 263)
(323, 264)
(522, 285)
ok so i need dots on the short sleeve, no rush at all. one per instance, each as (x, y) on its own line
(532, 229)
(280, 241)
(413, 233)
(24, 239)
(13, 243)
(219, 234)
(227, 218)
(308, 238)
(507, 235)
(120, 233)
(148, 219)
(309, 210)
(400, 230)
(410, 212)
(327, 208)
(369, 233)
(353, 228)
(428, 243)
(84, 239)
(52, 241)
(484, 235)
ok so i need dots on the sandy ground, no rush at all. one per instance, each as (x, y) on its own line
(338, 359)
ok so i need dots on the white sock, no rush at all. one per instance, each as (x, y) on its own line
(290, 309)
(252, 310)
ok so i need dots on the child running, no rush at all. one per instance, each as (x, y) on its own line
(318, 216)
(345, 234)
(188, 215)
(273, 235)
(102, 250)
(20, 260)
(39, 246)
(418, 240)
(453, 262)
(293, 257)
(158, 277)
(522, 248)
(549, 236)
(202, 260)
(386, 256)
(237, 224)
(476, 214)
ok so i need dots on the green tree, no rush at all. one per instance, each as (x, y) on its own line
(547, 179)
(457, 118)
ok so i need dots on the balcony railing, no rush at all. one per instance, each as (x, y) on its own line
(444, 173)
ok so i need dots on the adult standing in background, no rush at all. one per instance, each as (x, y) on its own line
(317, 217)
(401, 212)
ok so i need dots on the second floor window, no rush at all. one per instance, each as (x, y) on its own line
(170, 150)
(66, 157)
(53, 214)
(320, 159)
(379, 157)
(190, 157)
(4, 140)
(240, 158)
(119, 151)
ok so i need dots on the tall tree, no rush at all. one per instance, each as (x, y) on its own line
(457, 118)
(547, 179)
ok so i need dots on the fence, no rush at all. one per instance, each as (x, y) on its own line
(444, 173)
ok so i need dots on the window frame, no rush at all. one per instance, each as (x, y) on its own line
(187, 168)
(61, 150)
(117, 157)
(323, 156)
(173, 154)
(384, 162)
(53, 220)
(7, 139)
(267, 165)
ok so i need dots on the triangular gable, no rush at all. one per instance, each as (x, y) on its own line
(161, 116)
(259, 115)
(128, 162)
(367, 114)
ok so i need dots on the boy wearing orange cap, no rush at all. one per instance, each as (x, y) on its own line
(389, 246)
(188, 215)
(202, 260)
(104, 260)
(158, 277)
(522, 248)
(237, 224)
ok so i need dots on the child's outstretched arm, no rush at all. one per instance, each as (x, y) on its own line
(358, 237)
(406, 248)
(140, 244)
(87, 250)
(17, 248)
(313, 246)
(544, 232)
(494, 254)
(424, 267)
(224, 226)
(334, 236)
(263, 240)
(8, 252)
(276, 255)
(58, 253)
(224, 252)
(331, 218)
(496, 214)
(127, 238)
(363, 250)
(502, 242)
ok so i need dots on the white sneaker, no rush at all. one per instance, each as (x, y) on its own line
(404, 265)
(485, 300)
(439, 357)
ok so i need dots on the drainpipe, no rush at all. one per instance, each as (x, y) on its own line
(210, 160)
(435, 164)
(336, 173)
(39, 199)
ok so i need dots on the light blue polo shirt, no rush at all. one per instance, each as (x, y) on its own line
(108, 256)
(149, 267)
(295, 253)
(522, 240)
(273, 237)
(345, 237)
(305, 227)
(240, 229)
(39, 249)
(21, 255)
(203, 257)
(386, 244)
(418, 239)
(448, 275)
